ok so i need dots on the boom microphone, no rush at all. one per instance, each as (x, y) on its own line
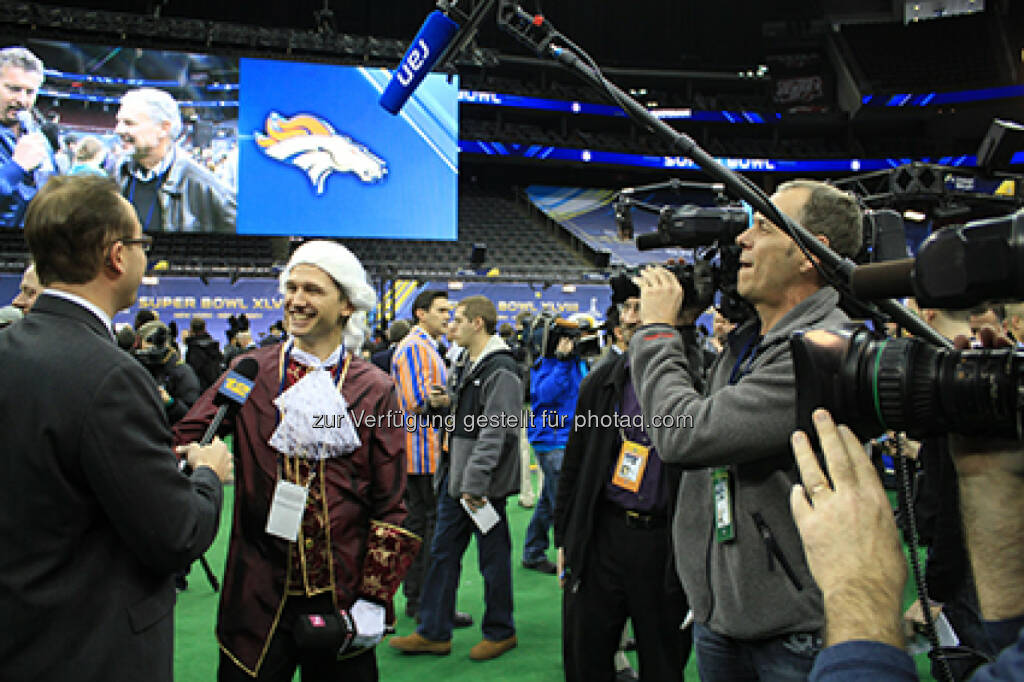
(955, 267)
(888, 279)
(437, 32)
(232, 394)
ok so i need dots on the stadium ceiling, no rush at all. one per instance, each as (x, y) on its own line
(661, 34)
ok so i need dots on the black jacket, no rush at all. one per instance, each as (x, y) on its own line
(589, 458)
(96, 515)
(181, 383)
(938, 521)
(382, 358)
(202, 353)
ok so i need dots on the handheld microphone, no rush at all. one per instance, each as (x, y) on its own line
(26, 121)
(232, 394)
(426, 48)
(29, 126)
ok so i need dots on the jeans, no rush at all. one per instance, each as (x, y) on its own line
(788, 658)
(544, 513)
(451, 537)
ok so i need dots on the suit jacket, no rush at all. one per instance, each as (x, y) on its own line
(96, 516)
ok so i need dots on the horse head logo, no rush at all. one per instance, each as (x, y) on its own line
(309, 142)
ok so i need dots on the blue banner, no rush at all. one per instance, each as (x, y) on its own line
(579, 301)
(182, 298)
(545, 152)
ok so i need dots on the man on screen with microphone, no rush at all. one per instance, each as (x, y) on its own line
(317, 549)
(26, 159)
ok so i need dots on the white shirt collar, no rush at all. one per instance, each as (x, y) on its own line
(311, 361)
(85, 303)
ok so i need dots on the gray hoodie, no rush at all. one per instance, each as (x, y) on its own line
(483, 457)
(758, 585)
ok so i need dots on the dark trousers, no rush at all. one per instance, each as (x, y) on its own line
(422, 505)
(494, 550)
(625, 576)
(283, 656)
(964, 614)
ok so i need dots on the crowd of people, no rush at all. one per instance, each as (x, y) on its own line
(695, 511)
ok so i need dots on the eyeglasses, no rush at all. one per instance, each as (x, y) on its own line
(146, 242)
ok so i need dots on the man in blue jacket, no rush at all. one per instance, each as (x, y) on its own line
(26, 159)
(554, 387)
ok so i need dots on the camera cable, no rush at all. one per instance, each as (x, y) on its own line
(907, 506)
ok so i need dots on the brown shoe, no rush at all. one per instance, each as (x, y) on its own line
(418, 644)
(487, 649)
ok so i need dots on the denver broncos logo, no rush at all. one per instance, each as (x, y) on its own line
(310, 143)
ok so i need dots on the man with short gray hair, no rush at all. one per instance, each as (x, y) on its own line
(758, 614)
(26, 159)
(170, 191)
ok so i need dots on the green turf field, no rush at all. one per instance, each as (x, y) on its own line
(537, 606)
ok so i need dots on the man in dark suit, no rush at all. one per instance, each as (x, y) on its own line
(96, 515)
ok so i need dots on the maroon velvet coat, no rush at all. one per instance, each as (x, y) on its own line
(363, 486)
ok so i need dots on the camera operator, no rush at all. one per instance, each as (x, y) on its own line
(758, 614)
(554, 386)
(854, 552)
(617, 332)
(948, 570)
(175, 380)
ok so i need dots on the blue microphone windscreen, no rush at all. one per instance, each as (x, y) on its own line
(435, 34)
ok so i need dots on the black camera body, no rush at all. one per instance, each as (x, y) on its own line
(545, 331)
(877, 384)
(874, 383)
(711, 232)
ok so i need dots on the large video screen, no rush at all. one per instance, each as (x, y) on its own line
(316, 151)
(206, 143)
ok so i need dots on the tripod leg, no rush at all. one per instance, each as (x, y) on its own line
(209, 573)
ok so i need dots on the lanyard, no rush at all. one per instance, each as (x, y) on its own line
(745, 362)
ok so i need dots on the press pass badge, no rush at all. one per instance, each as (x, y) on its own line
(629, 470)
(725, 531)
(286, 510)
